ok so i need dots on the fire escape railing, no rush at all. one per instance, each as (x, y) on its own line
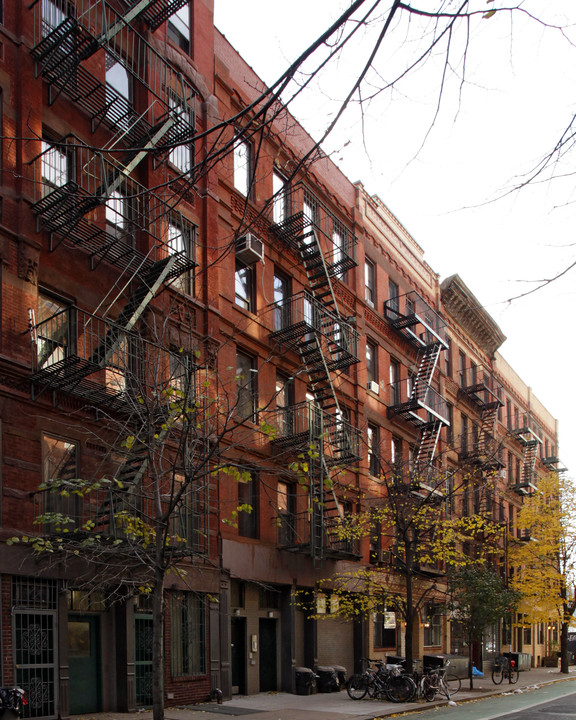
(96, 359)
(302, 315)
(530, 438)
(312, 324)
(68, 35)
(417, 404)
(416, 320)
(480, 388)
(414, 399)
(304, 213)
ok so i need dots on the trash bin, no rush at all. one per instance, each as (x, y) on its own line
(341, 673)
(432, 662)
(327, 679)
(305, 681)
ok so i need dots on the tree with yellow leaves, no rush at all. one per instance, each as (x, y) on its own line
(544, 567)
(424, 533)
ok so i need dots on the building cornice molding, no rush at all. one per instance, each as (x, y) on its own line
(462, 305)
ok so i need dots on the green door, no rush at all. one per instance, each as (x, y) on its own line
(84, 663)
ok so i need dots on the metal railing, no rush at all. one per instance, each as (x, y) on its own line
(306, 424)
(480, 385)
(301, 314)
(59, 48)
(305, 212)
(417, 401)
(411, 315)
(74, 347)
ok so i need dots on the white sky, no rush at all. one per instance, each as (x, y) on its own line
(519, 96)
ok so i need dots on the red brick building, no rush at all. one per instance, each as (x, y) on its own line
(158, 236)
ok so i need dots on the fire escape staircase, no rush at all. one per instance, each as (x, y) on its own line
(530, 442)
(482, 392)
(317, 331)
(415, 400)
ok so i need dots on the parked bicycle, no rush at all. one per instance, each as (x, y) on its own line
(427, 687)
(12, 699)
(505, 668)
(379, 680)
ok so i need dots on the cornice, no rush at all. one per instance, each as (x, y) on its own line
(462, 305)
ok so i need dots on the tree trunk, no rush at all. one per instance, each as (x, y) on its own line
(158, 647)
(409, 638)
(564, 661)
(470, 662)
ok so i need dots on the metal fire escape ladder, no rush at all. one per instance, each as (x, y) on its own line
(136, 305)
(429, 433)
(316, 269)
(488, 416)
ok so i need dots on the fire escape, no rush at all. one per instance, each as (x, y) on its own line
(311, 324)
(90, 200)
(529, 436)
(480, 390)
(414, 399)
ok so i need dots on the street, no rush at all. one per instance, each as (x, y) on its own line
(557, 701)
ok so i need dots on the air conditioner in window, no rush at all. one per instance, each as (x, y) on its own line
(249, 249)
(503, 474)
(380, 557)
(374, 387)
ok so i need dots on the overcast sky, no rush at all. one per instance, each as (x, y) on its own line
(441, 175)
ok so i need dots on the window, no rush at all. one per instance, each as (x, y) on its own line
(394, 382)
(182, 379)
(432, 626)
(370, 282)
(338, 235)
(118, 365)
(244, 286)
(187, 521)
(396, 451)
(188, 634)
(280, 202)
(464, 433)
(55, 166)
(242, 167)
(181, 155)
(118, 94)
(284, 404)
(60, 470)
(450, 418)
(385, 629)
(53, 327)
(179, 28)
(53, 14)
(448, 358)
(286, 513)
(282, 308)
(461, 369)
(508, 414)
(248, 500)
(373, 441)
(246, 383)
(119, 214)
(181, 240)
(393, 299)
(371, 362)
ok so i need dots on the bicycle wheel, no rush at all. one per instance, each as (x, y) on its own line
(428, 688)
(453, 683)
(357, 687)
(399, 689)
(514, 674)
(497, 674)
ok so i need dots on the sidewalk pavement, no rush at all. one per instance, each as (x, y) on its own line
(337, 705)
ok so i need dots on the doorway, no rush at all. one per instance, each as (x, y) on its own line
(238, 633)
(84, 663)
(268, 655)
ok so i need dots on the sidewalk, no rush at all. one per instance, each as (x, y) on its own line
(334, 706)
